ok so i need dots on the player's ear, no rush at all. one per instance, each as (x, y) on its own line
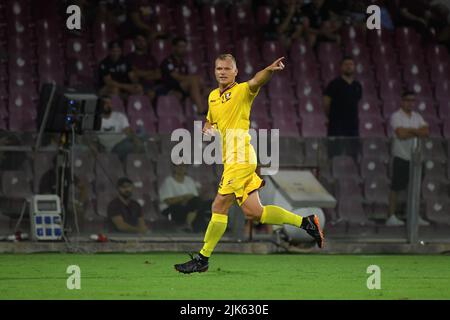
(236, 71)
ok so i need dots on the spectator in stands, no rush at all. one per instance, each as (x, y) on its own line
(124, 213)
(115, 133)
(341, 98)
(406, 125)
(180, 201)
(323, 23)
(286, 22)
(141, 19)
(177, 80)
(422, 16)
(144, 65)
(116, 74)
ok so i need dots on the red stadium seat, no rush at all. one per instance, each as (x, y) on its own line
(437, 210)
(380, 37)
(169, 106)
(375, 148)
(371, 127)
(287, 126)
(16, 184)
(406, 36)
(376, 190)
(283, 107)
(373, 168)
(437, 54)
(313, 126)
(167, 125)
(272, 50)
(344, 167)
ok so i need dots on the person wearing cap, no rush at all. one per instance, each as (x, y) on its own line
(124, 213)
(116, 73)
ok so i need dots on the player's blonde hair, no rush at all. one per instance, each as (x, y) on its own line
(225, 56)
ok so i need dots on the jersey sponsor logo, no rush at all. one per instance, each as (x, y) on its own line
(226, 97)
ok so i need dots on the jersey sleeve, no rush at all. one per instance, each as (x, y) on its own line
(208, 115)
(422, 122)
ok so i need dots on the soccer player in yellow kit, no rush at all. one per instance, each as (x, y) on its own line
(229, 114)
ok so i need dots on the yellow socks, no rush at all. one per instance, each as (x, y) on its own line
(278, 215)
(216, 228)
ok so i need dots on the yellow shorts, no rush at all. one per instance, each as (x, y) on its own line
(240, 179)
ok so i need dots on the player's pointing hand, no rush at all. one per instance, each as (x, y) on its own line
(277, 65)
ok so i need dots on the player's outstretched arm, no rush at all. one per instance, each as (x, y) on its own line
(263, 76)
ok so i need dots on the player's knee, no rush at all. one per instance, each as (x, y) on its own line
(252, 213)
(220, 205)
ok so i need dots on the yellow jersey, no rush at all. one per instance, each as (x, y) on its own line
(229, 113)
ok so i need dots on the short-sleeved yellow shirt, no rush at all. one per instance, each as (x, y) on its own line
(229, 113)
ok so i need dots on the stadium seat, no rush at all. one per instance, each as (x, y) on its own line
(329, 71)
(243, 21)
(434, 188)
(260, 123)
(16, 184)
(375, 148)
(353, 213)
(302, 52)
(437, 53)
(310, 106)
(167, 124)
(313, 126)
(344, 167)
(329, 52)
(380, 37)
(371, 127)
(139, 164)
(169, 106)
(348, 189)
(411, 54)
(442, 91)
(272, 50)
(373, 168)
(369, 107)
(434, 169)
(288, 127)
(376, 190)
(283, 108)
(263, 16)
(434, 150)
(439, 72)
(437, 210)
(353, 34)
(405, 36)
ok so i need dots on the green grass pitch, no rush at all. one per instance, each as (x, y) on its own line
(230, 276)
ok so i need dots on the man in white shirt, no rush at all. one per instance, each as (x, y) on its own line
(406, 125)
(115, 134)
(180, 201)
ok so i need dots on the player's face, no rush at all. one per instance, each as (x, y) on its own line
(408, 103)
(225, 72)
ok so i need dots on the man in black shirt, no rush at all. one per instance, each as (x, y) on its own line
(177, 80)
(124, 213)
(341, 98)
(116, 74)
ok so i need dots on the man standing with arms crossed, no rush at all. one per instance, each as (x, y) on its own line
(229, 113)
